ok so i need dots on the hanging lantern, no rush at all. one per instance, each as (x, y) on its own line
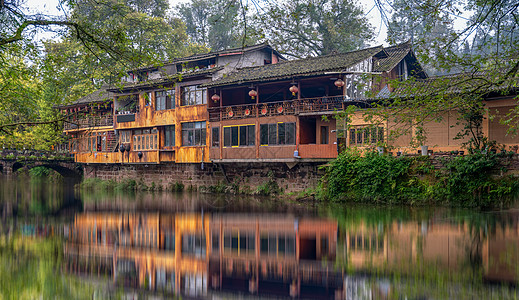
(293, 89)
(339, 83)
(215, 98)
(253, 94)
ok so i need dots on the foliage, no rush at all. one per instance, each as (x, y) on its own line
(315, 27)
(31, 269)
(270, 187)
(371, 178)
(214, 24)
(39, 171)
(98, 41)
(470, 182)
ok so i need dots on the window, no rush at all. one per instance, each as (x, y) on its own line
(277, 244)
(242, 135)
(324, 135)
(147, 98)
(169, 241)
(366, 135)
(278, 134)
(193, 134)
(192, 95)
(165, 99)
(145, 139)
(169, 136)
(125, 136)
(215, 137)
(240, 242)
(193, 244)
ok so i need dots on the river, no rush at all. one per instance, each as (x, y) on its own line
(61, 242)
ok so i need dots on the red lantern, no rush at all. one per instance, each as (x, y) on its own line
(293, 89)
(215, 98)
(253, 94)
(339, 83)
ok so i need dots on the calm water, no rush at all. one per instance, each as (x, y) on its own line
(56, 242)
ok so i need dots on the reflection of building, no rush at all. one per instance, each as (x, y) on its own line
(500, 253)
(282, 256)
(277, 255)
(191, 253)
(158, 252)
(452, 247)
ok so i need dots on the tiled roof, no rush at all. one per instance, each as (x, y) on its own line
(297, 68)
(101, 95)
(395, 54)
(214, 54)
(164, 80)
(481, 82)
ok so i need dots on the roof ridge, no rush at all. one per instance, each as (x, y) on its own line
(311, 58)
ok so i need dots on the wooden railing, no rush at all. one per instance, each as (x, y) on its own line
(90, 121)
(269, 109)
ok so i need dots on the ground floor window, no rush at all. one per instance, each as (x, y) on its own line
(239, 242)
(241, 135)
(169, 136)
(366, 135)
(193, 133)
(215, 137)
(278, 134)
(145, 139)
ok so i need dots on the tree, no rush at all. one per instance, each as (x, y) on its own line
(427, 24)
(99, 41)
(315, 27)
(484, 54)
(215, 24)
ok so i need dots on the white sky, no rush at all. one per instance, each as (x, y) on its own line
(50, 7)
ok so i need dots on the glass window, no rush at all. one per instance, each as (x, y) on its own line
(165, 99)
(227, 136)
(169, 136)
(251, 135)
(365, 135)
(215, 137)
(192, 95)
(272, 134)
(234, 136)
(241, 135)
(193, 133)
(264, 134)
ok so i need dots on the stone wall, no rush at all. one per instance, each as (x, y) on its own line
(291, 178)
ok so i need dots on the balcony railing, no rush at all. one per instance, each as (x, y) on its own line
(269, 109)
(90, 121)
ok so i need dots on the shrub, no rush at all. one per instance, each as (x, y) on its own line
(465, 181)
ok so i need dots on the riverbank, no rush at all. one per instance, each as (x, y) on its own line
(479, 180)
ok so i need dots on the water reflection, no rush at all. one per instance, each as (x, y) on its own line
(196, 254)
(204, 246)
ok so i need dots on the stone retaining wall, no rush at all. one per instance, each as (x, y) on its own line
(291, 178)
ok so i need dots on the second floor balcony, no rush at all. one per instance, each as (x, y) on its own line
(310, 106)
(89, 121)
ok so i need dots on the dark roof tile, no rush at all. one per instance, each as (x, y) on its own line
(297, 68)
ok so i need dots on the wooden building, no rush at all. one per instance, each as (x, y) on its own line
(284, 112)
(265, 109)
(89, 127)
(159, 113)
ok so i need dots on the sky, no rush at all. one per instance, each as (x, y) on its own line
(50, 7)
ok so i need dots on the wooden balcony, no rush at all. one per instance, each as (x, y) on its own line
(90, 121)
(270, 109)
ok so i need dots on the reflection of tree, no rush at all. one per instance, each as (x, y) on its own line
(30, 269)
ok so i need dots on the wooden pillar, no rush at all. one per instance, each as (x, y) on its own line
(258, 138)
(220, 130)
(298, 121)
